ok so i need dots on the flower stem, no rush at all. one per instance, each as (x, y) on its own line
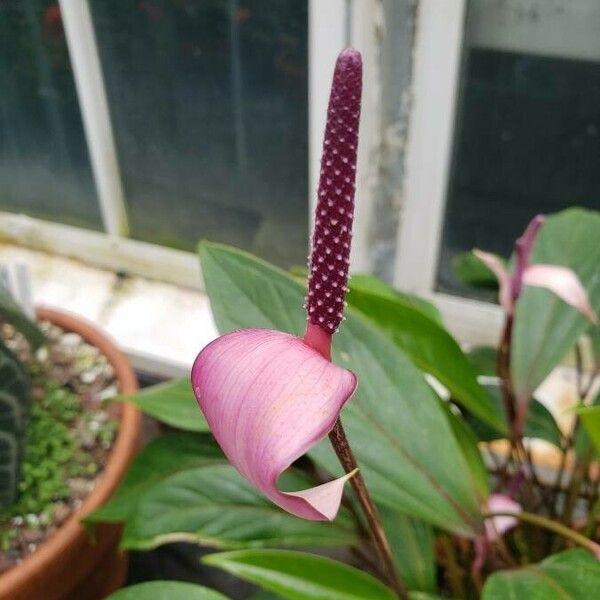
(516, 413)
(453, 571)
(579, 472)
(340, 444)
(554, 526)
(503, 372)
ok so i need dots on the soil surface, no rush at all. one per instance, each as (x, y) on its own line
(80, 378)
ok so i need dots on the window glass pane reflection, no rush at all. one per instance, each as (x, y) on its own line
(44, 165)
(209, 104)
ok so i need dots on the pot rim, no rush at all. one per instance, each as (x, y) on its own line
(119, 458)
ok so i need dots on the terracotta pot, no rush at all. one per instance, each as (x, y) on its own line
(70, 565)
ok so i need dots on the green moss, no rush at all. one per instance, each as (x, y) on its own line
(53, 455)
(49, 450)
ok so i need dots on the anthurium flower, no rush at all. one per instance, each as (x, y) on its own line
(269, 396)
(562, 281)
(496, 527)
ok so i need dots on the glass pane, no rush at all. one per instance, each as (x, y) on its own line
(527, 134)
(209, 105)
(44, 166)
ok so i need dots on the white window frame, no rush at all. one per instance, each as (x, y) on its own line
(436, 71)
(334, 25)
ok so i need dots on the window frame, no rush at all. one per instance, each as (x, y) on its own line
(95, 114)
(436, 72)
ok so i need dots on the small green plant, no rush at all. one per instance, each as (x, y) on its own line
(49, 452)
(42, 424)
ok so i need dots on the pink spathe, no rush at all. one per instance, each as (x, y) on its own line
(268, 398)
(496, 266)
(496, 527)
(562, 281)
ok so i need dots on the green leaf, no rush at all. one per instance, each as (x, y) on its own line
(400, 434)
(15, 405)
(173, 403)
(570, 575)
(590, 417)
(593, 333)
(10, 468)
(12, 313)
(161, 458)
(246, 291)
(300, 576)
(412, 542)
(540, 423)
(546, 328)
(166, 590)
(215, 506)
(483, 360)
(373, 285)
(469, 445)
(264, 595)
(432, 349)
(473, 271)
(13, 377)
(583, 435)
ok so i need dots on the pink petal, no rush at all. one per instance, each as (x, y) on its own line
(268, 398)
(496, 527)
(564, 283)
(494, 264)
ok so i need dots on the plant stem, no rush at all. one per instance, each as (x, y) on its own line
(590, 384)
(581, 467)
(505, 553)
(579, 371)
(368, 561)
(503, 372)
(346, 457)
(554, 526)
(558, 483)
(515, 413)
(594, 512)
(453, 570)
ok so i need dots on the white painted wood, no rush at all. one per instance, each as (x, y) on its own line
(118, 254)
(439, 39)
(334, 25)
(436, 69)
(83, 51)
(471, 321)
(544, 27)
(326, 38)
(366, 16)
